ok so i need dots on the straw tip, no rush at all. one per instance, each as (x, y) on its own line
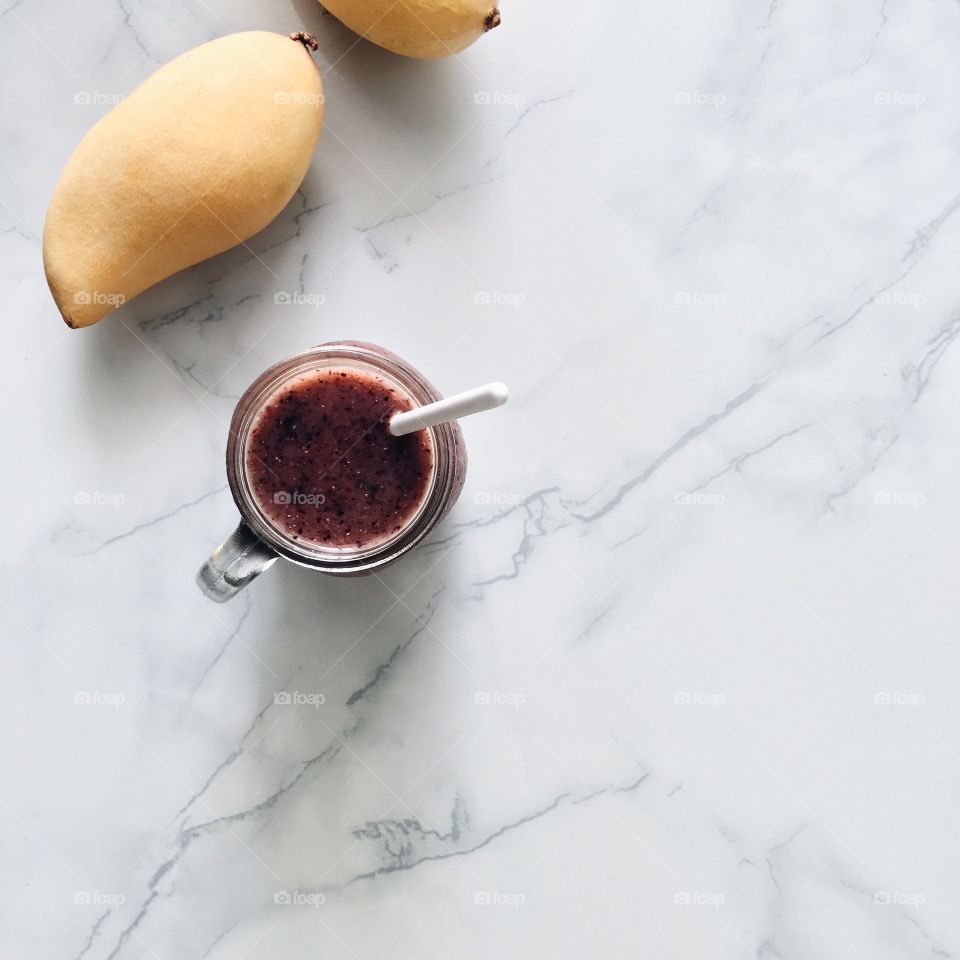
(499, 393)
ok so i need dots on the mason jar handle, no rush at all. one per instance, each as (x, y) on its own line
(240, 558)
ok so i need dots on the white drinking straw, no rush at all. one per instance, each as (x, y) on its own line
(452, 408)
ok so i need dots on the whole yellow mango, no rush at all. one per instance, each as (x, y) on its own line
(427, 29)
(202, 155)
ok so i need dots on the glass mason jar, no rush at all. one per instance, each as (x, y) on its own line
(258, 540)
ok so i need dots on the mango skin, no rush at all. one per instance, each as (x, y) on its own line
(425, 29)
(202, 155)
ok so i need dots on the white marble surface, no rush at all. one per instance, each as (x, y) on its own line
(704, 569)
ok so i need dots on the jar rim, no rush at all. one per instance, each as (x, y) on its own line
(343, 560)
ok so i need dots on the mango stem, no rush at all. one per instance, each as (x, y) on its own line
(307, 39)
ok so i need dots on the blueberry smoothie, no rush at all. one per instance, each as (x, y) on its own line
(323, 467)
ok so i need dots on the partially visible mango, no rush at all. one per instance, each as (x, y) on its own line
(202, 155)
(427, 29)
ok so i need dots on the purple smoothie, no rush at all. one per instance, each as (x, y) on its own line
(324, 468)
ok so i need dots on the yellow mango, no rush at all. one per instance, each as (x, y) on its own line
(202, 155)
(427, 29)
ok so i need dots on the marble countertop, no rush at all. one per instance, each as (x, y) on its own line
(677, 677)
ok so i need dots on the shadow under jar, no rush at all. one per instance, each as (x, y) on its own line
(317, 477)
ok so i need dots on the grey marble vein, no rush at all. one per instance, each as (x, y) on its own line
(706, 424)
(423, 624)
(94, 933)
(916, 248)
(534, 528)
(734, 465)
(234, 633)
(542, 102)
(415, 861)
(409, 857)
(147, 524)
(188, 834)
